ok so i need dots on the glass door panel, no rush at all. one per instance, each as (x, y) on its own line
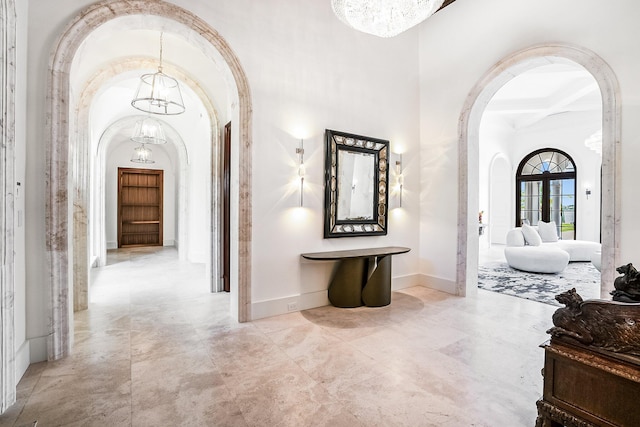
(530, 202)
(563, 207)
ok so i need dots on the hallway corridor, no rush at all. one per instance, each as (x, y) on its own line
(156, 348)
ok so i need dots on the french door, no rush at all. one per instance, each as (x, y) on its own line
(546, 191)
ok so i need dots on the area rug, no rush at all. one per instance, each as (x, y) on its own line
(499, 277)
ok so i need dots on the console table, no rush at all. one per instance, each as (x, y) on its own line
(588, 388)
(363, 276)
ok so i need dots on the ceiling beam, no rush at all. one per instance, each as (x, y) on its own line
(445, 4)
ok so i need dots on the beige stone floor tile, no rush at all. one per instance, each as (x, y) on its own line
(64, 408)
(278, 323)
(175, 397)
(163, 342)
(336, 365)
(388, 400)
(162, 350)
(241, 349)
(300, 341)
(284, 392)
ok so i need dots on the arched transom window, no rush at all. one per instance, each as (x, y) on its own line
(546, 190)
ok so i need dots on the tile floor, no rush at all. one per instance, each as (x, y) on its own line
(156, 349)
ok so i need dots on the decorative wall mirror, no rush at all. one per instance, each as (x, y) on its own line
(356, 176)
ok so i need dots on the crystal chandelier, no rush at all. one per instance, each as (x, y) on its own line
(158, 93)
(384, 18)
(142, 154)
(148, 131)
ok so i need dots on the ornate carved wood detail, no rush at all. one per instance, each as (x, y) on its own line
(606, 325)
(550, 416)
(627, 286)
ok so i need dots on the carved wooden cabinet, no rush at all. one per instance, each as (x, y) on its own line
(588, 387)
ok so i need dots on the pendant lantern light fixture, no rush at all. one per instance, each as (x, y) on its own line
(158, 93)
(148, 131)
(142, 154)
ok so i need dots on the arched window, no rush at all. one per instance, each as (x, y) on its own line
(546, 191)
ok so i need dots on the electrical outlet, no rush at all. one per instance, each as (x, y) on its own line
(292, 306)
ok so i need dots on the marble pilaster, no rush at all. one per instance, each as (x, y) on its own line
(7, 186)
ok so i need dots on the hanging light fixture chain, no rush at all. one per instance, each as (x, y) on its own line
(160, 65)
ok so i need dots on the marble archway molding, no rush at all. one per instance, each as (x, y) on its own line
(7, 186)
(103, 79)
(468, 131)
(61, 140)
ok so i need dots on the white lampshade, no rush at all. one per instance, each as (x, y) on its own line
(384, 18)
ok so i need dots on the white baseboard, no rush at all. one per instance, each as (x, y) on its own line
(438, 283)
(404, 282)
(23, 360)
(275, 307)
(37, 349)
(168, 243)
(112, 245)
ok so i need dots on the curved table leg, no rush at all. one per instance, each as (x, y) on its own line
(345, 289)
(377, 290)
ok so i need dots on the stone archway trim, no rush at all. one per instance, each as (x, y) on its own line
(468, 131)
(57, 164)
(7, 185)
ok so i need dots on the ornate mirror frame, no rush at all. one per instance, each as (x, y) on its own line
(376, 223)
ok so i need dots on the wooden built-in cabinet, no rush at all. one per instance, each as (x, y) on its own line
(139, 207)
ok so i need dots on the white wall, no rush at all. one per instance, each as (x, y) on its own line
(497, 139)
(309, 72)
(459, 45)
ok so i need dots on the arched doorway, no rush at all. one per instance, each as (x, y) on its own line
(63, 138)
(468, 142)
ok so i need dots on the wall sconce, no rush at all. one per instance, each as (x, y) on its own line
(587, 192)
(399, 178)
(301, 169)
